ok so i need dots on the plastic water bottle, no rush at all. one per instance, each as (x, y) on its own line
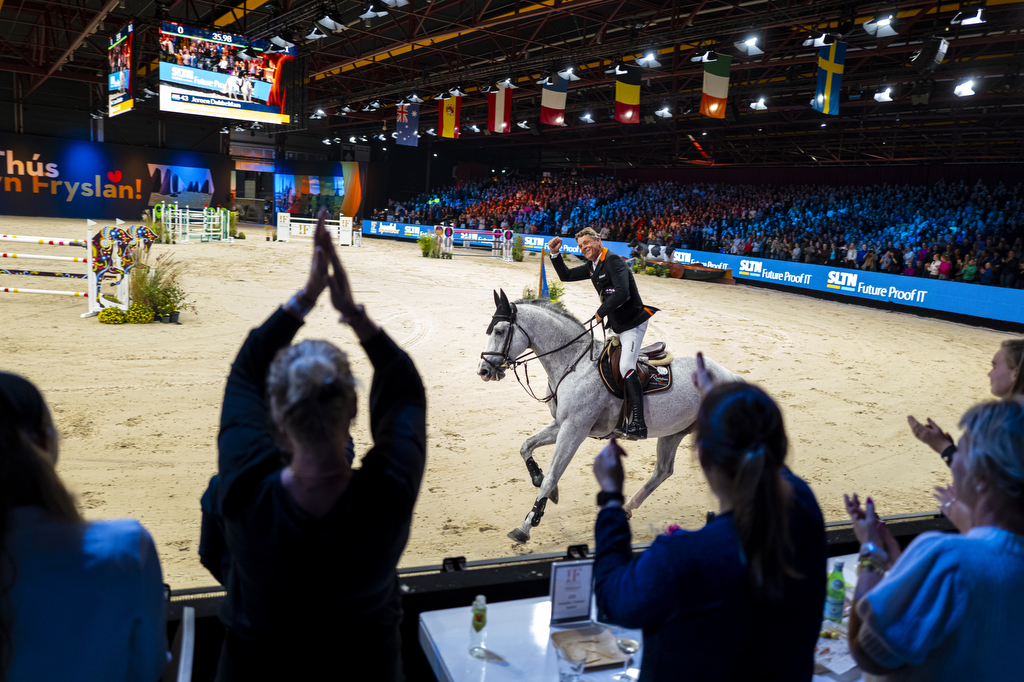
(478, 628)
(835, 594)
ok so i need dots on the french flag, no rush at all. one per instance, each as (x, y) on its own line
(499, 110)
(552, 102)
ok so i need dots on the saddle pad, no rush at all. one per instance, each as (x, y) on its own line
(660, 378)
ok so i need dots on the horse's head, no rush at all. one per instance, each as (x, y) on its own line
(504, 344)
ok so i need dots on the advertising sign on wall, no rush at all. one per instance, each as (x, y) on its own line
(119, 80)
(974, 300)
(44, 176)
(212, 73)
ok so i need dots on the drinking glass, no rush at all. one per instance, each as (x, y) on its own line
(569, 670)
(628, 646)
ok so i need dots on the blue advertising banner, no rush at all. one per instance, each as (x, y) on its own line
(975, 300)
(45, 176)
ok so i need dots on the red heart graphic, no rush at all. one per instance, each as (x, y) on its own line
(115, 176)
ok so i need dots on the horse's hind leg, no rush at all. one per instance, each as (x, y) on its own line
(667, 446)
(546, 436)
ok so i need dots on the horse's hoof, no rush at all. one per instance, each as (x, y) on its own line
(553, 496)
(518, 536)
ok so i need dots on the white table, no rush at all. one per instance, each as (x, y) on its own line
(519, 631)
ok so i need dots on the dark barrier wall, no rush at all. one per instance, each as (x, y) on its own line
(972, 300)
(41, 176)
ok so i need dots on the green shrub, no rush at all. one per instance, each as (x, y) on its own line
(112, 316)
(517, 248)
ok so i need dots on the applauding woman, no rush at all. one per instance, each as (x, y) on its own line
(309, 545)
(758, 569)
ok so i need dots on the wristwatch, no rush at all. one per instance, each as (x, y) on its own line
(872, 557)
(605, 496)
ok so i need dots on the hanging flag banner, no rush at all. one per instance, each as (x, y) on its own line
(716, 87)
(499, 110)
(627, 96)
(831, 59)
(449, 113)
(552, 102)
(407, 124)
(119, 80)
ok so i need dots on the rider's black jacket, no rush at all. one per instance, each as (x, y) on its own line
(620, 300)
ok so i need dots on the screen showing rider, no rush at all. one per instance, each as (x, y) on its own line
(621, 305)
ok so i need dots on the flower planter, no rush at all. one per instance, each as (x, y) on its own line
(166, 319)
(174, 316)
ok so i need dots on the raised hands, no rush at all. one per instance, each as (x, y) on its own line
(608, 467)
(930, 434)
(869, 528)
(554, 245)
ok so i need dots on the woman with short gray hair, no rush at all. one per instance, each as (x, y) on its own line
(306, 545)
(949, 607)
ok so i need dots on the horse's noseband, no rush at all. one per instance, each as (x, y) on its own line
(503, 314)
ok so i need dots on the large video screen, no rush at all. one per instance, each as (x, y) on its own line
(209, 73)
(119, 81)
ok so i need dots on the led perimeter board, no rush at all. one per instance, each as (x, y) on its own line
(209, 73)
(119, 81)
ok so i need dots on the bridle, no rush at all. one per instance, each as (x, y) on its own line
(510, 315)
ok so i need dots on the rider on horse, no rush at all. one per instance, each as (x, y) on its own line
(621, 304)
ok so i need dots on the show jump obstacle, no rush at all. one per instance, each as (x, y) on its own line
(192, 225)
(499, 241)
(108, 256)
(290, 227)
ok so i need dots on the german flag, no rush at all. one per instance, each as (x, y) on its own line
(627, 96)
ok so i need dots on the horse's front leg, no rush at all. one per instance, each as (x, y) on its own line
(568, 441)
(545, 436)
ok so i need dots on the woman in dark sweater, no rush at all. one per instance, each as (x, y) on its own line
(306, 546)
(755, 574)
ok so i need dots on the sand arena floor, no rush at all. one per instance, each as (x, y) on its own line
(137, 406)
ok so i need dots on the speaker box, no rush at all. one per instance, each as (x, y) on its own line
(930, 56)
(730, 113)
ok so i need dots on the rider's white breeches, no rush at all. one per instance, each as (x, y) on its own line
(632, 340)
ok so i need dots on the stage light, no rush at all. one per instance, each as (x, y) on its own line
(822, 125)
(373, 10)
(970, 14)
(282, 43)
(567, 74)
(330, 23)
(415, 99)
(474, 128)
(493, 87)
(255, 126)
(664, 112)
(431, 131)
(396, 3)
(587, 118)
(318, 114)
(704, 134)
(749, 46)
(239, 128)
(149, 92)
(326, 141)
(315, 34)
(618, 69)
(443, 95)
(709, 56)
(225, 130)
(362, 138)
(649, 59)
(367, 107)
(347, 109)
(457, 91)
(244, 54)
(353, 139)
(880, 25)
(375, 104)
(545, 80)
(525, 125)
(759, 105)
(338, 140)
(508, 83)
(394, 135)
(821, 41)
(883, 96)
(964, 89)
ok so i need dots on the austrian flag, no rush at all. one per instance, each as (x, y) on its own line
(499, 110)
(716, 87)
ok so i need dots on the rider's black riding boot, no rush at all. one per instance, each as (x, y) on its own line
(637, 429)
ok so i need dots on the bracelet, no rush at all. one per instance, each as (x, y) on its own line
(604, 497)
(868, 566)
(300, 305)
(358, 316)
(947, 455)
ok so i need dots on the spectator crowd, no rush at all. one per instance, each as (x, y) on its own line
(961, 232)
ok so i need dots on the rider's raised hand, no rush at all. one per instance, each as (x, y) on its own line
(608, 468)
(554, 245)
(701, 377)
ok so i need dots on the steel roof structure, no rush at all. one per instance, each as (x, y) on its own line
(428, 46)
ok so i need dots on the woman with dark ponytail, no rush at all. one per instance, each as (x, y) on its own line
(757, 569)
(81, 601)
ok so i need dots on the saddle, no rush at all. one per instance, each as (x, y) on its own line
(653, 367)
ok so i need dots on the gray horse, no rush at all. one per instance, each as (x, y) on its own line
(581, 406)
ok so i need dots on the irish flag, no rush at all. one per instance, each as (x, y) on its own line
(716, 87)
(448, 116)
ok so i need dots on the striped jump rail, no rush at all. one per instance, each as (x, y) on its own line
(43, 240)
(70, 259)
(83, 294)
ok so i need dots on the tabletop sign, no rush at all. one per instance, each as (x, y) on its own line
(571, 591)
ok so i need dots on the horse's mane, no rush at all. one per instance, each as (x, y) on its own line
(553, 307)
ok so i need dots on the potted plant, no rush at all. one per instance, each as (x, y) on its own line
(517, 248)
(157, 284)
(426, 243)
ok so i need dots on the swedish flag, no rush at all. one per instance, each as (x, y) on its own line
(830, 78)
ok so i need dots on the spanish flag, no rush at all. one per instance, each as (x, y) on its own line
(716, 86)
(627, 96)
(831, 59)
(448, 115)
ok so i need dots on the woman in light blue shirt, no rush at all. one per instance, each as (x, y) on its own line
(78, 601)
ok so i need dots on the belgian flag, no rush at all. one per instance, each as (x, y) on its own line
(627, 96)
